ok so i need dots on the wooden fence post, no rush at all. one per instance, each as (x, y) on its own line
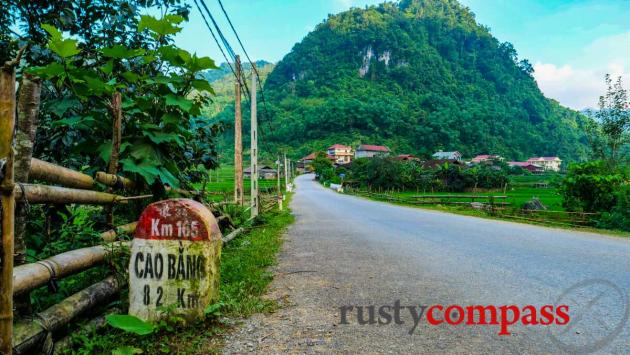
(7, 184)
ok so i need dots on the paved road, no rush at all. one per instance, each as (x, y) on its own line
(344, 250)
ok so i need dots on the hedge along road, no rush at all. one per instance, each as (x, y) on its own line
(346, 251)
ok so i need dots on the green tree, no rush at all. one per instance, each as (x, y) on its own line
(609, 134)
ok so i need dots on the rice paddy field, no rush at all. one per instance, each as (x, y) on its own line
(222, 183)
(521, 190)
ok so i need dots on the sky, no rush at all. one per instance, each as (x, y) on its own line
(571, 43)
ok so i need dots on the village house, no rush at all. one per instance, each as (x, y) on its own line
(307, 160)
(341, 154)
(264, 172)
(548, 163)
(486, 158)
(532, 168)
(406, 157)
(447, 155)
(370, 151)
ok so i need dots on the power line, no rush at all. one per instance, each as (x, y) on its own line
(225, 42)
(215, 38)
(262, 90)
(232, 54)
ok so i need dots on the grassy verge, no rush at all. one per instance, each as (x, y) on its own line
(244, 280)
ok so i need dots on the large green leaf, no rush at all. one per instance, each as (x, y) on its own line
(54, 33)
(202, 85)
(126, 350)
(145, 152)
(95, 85)
(60, 107)
(122, 52)
(130, 324)
(163, 137)
(77, 122)
(147, 170)
(64, 48)
(48, 71)
(168, 178)
(105, 151)
(179, 101)
(163, 27)
(196, 64)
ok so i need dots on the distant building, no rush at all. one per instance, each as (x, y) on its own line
(447, 155)
(435, 163)
(309, 158)
(341, 154)
(486, 158)
(548, 163)
(304, 164)
(406, 157)
(370, 151)
(533, 168)
(264, 172)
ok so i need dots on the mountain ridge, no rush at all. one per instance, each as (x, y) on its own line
(417, 75)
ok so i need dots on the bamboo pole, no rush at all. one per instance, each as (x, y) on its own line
(29, 333)
(55, 174)
(30, 276)
(111, 235)
(232, 235)
(62, 195)
(7, 200)
(114, 180)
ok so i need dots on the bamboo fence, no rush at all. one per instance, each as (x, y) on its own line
(29, 335)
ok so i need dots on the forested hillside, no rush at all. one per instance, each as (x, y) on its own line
(417, 75)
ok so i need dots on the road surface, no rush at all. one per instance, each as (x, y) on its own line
(348, 251)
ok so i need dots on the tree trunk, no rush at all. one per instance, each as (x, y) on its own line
(116, 138)
(27, 113)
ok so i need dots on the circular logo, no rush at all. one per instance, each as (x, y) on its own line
(599, 311)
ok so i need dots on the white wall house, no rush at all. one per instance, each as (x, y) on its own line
(548, 163)
(447, 155)
(370, 151)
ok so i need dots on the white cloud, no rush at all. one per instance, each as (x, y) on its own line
(579, 84)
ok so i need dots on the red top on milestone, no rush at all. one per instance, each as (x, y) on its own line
(176, 219)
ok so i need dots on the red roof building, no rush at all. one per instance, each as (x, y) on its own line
(485, 157)
(533, 168)
(369, 151)
(341, 154)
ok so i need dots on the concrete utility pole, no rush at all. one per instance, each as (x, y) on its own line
(279, 197)
(286, 173)
(254, 147)
(238, 140)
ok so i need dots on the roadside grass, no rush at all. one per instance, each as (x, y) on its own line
(244, 280)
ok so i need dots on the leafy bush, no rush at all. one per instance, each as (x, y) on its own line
(619, 215)
(592, 186)
(385, 173)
